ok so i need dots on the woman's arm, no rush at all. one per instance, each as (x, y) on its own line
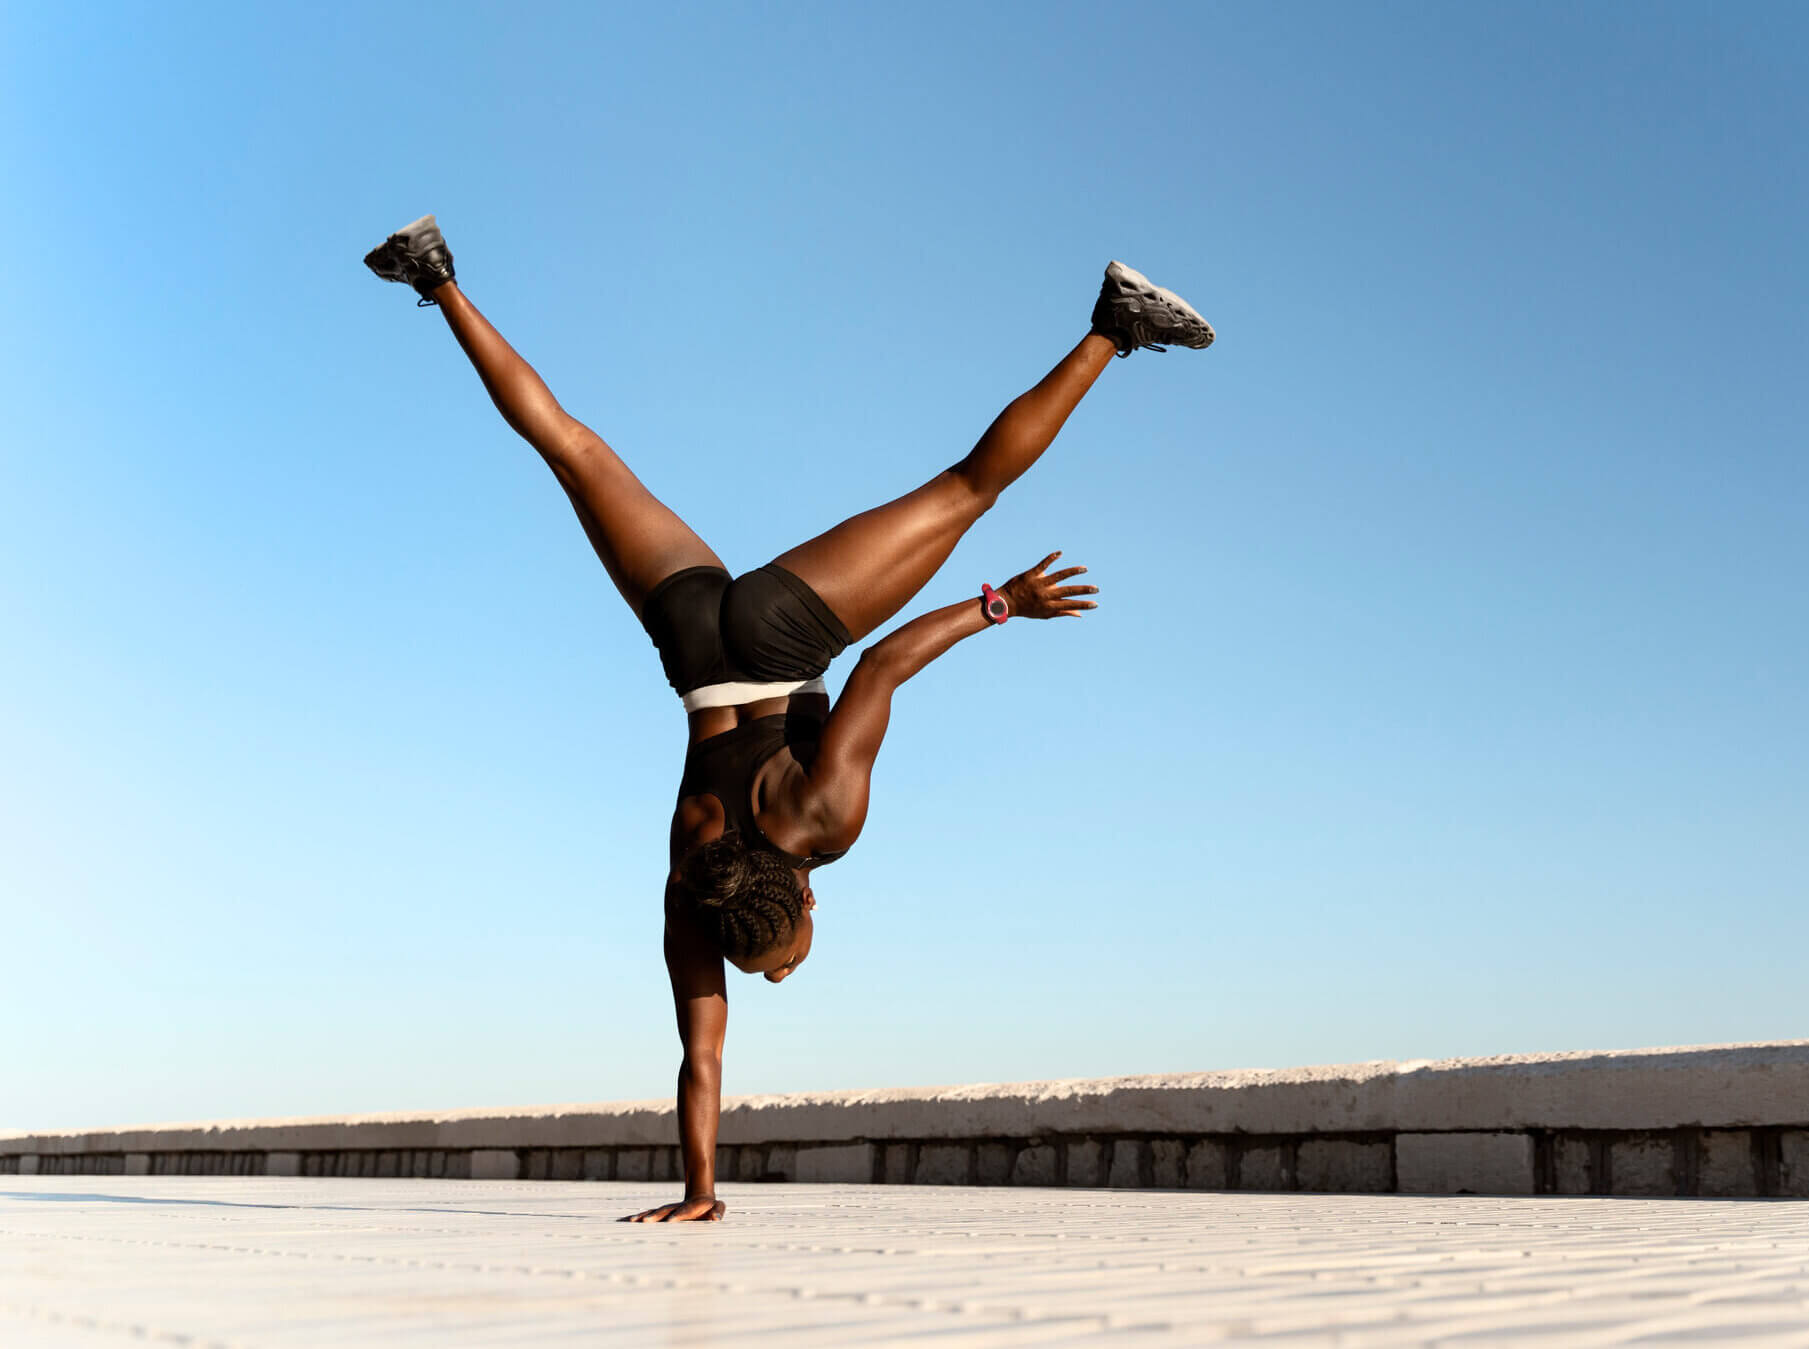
(700, 997)
(842, 772)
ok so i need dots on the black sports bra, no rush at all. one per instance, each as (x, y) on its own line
(724, 767)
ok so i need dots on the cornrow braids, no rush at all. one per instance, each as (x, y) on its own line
(747, 897)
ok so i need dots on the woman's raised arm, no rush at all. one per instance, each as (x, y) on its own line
(842, 773)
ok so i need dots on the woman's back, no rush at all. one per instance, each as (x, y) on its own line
(731, 767)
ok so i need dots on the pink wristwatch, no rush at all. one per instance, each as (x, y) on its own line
(994, 604)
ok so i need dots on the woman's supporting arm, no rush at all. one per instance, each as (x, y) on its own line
(700, 997)
(842, 772)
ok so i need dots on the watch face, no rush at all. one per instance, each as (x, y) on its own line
(995, 608)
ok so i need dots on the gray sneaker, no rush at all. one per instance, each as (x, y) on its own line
(1134, 313)
(415, 255)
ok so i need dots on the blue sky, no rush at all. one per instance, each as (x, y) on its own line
(1448, 693)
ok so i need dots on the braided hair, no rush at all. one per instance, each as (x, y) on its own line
(747, 898)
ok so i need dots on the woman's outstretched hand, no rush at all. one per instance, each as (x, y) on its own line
(707, 1209)
(1039, 592)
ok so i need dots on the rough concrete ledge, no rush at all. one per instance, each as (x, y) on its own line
(1725, 1120)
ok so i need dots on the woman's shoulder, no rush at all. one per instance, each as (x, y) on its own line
(696, 819)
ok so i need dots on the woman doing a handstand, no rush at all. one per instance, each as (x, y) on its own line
(775, 780)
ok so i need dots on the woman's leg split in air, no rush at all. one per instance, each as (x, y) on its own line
(866, 568)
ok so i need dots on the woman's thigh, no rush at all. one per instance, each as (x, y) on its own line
(638, 538)
(868, 567)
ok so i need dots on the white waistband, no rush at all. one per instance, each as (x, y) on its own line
(734, 695)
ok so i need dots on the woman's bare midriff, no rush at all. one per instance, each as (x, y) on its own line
(715, 720)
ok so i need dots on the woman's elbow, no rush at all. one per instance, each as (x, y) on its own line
(879, 668)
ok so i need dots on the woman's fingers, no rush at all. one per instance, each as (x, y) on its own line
(689, 1211)
(1040, 594)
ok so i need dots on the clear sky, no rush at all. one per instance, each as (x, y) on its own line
(1448, 695)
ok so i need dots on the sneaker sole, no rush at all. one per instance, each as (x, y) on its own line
(382, 259)
(1133, 280)
(413, 227)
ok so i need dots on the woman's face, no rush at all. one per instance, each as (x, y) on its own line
(793, 955)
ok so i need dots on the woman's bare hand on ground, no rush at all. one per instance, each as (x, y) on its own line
(707, 1209)
(1039, 592)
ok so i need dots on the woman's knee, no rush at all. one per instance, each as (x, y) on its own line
(974, 496)
(573, 446)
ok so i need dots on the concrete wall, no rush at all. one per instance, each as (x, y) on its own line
(1728, 1120)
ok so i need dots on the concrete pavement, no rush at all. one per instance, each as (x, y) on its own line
(95, 1260)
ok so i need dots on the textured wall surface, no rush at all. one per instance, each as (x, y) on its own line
(1728, 1120)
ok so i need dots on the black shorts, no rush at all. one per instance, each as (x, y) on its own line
(765, 627)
